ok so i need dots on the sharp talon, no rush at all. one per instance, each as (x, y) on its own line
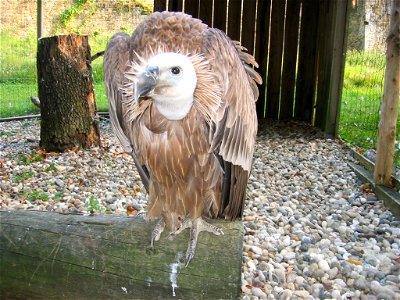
(189, 259)
(219, 231)
(187, 223)
(156, 233)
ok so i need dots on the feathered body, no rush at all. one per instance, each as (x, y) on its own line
(196, 165)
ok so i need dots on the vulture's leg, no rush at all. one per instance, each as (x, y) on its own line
(187, 223)
(199, 225)
(156, 233)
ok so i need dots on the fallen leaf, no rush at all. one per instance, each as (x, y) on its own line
(354, 262)
(131, 211)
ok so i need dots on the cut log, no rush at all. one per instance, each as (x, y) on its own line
(66, 93)
(47, 255)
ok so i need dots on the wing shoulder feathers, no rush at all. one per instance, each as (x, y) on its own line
(234, 133)
(116, 59)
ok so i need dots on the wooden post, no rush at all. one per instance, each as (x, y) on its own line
(261, 55)
(67, 100)
(336, 58)
(275, 59)
(160, 5)
(39, 14)
(390, 103)
(51, 256)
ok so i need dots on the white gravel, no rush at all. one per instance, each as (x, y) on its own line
(312, 230)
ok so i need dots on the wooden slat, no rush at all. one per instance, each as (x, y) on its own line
(248, 24)
(261, 53)
(234, 16)
(324, 53)
(338, 57)
(206, 10)
(220, 14)
(289, 59)
(275, 58)
(192, 7)
(175, 5)
(306, 75)
(160, 5)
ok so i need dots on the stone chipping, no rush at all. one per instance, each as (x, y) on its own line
(312, 230)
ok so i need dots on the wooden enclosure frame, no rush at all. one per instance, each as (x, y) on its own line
(301, 57)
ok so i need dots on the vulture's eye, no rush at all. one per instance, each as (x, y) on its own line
(176, 70)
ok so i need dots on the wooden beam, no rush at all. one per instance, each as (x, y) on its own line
(306, 75)
(234, 19)
(261, 53)
(390, 197)
(275, 59)
(390, 103)
(160, 5)
(206, 12)
(220, 8)
(39, 11)
(248, 25)
(175, 5)
(192, 8)
(290, 59)
(325, 35)
(47, 255)
(338, 58)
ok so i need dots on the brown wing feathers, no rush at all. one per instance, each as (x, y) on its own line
(226, 93)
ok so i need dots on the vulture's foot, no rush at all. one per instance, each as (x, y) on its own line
(197, 226)
(187, 223)
(156, 233)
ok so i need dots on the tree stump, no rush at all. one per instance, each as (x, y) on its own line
(66, 93)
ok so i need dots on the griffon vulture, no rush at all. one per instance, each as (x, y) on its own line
(182, 102)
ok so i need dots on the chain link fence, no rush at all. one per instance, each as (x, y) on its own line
(18, 41)
(364, 76)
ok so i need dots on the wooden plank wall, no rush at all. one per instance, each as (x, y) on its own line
(292, 40)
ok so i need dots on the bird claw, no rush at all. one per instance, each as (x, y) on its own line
(196, 226)
(199, 225)
(187, 223)
(156, 233)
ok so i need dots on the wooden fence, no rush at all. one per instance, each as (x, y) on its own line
(299, 45)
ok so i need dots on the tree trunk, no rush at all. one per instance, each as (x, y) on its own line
(390, 102)
(67, 100)
(52, 256)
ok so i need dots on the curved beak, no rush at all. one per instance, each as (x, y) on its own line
(145, 82)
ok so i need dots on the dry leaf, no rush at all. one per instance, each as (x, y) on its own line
(131, 211)
(354, 262)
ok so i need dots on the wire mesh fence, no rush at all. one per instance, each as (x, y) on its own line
(18, 41)
(364, 70)
(364, 76)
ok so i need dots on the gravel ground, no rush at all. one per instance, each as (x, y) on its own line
(312, 230)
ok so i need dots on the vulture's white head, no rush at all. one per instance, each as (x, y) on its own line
(170, 80)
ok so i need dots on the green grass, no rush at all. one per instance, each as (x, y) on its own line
(21, 177)
(18, 76)
(361, 99)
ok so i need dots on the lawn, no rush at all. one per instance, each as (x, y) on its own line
(18, 77)
(361, 100)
